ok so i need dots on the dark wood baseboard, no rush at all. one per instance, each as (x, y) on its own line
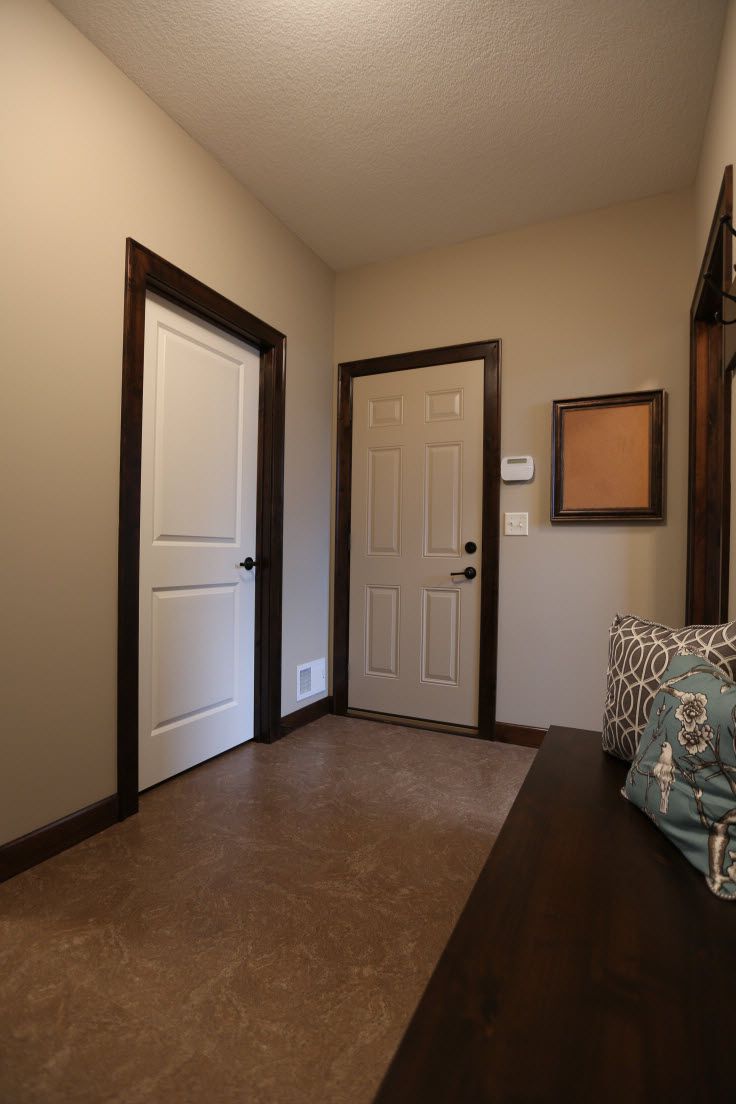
(304, 716)
(519, 734)
(26, 851)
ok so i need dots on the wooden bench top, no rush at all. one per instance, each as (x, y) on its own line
(591, 963)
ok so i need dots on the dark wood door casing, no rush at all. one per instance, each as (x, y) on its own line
(146, 271)
(709, 491)
(490, 353)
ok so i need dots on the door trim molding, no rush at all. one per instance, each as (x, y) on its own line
(146, 272)
(709, 474)
(490, 353)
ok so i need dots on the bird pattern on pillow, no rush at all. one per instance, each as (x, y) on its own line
(683, 775)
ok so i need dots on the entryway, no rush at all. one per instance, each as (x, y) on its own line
(198, 542)
(416, 579)
(201, 504)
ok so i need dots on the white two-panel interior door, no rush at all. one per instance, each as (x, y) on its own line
(198, 523)
(416, 502)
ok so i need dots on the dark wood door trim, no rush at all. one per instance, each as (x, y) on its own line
(490, 353)
(709, 496)
(147, 272)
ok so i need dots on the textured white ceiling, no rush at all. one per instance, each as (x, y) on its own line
(375, 128)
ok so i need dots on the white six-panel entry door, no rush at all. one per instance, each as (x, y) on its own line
(416, 513)
(198, 525)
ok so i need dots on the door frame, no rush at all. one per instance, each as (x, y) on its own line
(490, 353)
(146, 272)
(709, 479)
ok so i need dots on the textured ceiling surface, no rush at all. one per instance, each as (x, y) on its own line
(375, 128)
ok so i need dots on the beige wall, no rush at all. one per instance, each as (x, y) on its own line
(583, 306)
(719, 139)
(87, 160)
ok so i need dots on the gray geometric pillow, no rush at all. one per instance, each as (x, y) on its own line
(639, 653)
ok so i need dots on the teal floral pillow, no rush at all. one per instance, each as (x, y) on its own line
(684, 773)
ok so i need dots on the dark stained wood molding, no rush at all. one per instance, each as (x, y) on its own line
(147, 272)
(522, 735)
(655, 511)
(709, 491)
(26, 851)
(304, 716)
(490, 353)
(556, 971)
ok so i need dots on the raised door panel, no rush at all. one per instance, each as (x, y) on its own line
(384, 502)
(443, 467)
(386, 411)
(440, 635)
(198, 442)
(382, 614)
(443, 406)
(194, 654)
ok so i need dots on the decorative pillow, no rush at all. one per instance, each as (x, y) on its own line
(638, 655)
(684, 773)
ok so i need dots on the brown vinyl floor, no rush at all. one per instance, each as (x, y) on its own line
(260, 933)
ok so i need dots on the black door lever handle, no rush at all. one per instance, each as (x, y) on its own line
(248, 563)
(469, 573)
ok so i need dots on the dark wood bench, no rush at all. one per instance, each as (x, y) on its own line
(591, 963)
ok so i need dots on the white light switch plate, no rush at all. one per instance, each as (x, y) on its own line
(516, 525)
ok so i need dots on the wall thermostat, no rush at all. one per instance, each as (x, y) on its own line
(517, 469)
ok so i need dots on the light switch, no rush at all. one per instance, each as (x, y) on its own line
(516, 525)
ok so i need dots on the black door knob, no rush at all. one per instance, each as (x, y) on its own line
(471, 547)
(469, 572)
(248, 563)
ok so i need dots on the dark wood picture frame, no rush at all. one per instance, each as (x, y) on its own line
(654, 511)
(490, 353)
(709, 474)
(146, 272)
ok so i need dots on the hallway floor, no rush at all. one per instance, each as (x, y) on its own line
(260, 933)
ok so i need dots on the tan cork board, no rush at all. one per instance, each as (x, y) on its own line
(606, 460)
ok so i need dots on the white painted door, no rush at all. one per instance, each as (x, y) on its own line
(198, 522)
(417, 495)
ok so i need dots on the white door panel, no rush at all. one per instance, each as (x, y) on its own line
(417, 495)
(382, 631)
(198, 521)
(384, 502)
(440, 635)
(198, 442)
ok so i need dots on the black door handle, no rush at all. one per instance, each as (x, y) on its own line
(469, 572)
(248, 563)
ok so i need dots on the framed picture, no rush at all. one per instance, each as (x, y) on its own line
(608, 458)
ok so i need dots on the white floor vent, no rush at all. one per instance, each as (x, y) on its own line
(310, 679)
